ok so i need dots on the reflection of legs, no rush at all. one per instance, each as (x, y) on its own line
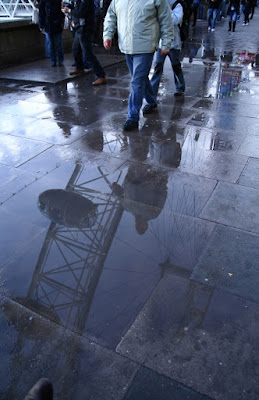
(174, 56)
(139, 66)
(158, 71)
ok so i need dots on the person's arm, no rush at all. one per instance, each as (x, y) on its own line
(166, 25)
(109, 26)
(42, 14)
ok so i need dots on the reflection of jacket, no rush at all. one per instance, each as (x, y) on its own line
(51, 18)
(83, 15)
(140, 24)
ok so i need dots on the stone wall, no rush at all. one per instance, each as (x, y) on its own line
(21, 41)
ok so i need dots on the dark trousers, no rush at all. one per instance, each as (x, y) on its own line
(83, 44)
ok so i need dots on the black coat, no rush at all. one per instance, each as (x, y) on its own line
(51, 18)
(83, 15)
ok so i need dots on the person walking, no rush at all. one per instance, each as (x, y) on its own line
(234, 6)
(51, 22)
(174, 56)
(213, 10)
(83, 24)
(140, 25)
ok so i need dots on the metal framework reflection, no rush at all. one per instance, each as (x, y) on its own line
(72, 258)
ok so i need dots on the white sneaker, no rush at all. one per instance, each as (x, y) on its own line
(208, 28)
(212, 30)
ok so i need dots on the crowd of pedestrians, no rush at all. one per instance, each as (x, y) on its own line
(148, 31)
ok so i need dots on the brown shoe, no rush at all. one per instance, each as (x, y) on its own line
(76, 71)
(99, 81)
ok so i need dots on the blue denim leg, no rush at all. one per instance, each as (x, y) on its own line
(158, 71)
(209, 16)
(214, 17)
(52, 48)
(139, 66)
(174, 56)
(59, 47)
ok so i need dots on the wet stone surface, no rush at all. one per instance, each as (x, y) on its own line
(129, 262)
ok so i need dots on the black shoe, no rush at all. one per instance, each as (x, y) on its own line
(178, 94)
(149, 108)
(42, 390)
(130, 125)
(54, 65)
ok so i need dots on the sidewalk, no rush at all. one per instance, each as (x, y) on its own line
(129, 263)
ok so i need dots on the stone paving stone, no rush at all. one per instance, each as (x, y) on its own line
(16, 150)
(201, 337)
(234, 205)
(198, 160)
(33, 347)
(230, 262)
(250, 175)
(250, 146)
(10, 124)
(16, 234)
(51, 131)
(149, 385)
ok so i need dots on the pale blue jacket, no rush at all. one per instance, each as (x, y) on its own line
(140, 25)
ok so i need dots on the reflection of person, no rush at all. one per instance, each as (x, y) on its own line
(83, 24)
(174, 55)
(51, 21)
(140, 25)
(143, 194)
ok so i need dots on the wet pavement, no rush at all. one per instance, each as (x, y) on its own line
(129, 263)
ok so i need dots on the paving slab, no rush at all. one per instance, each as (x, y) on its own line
(149, 385)
(198, 336)
(250, 146)
(77, 367)
(16, 151)
(230, 262)
(41, 71)
(235, 206)
(250, 174)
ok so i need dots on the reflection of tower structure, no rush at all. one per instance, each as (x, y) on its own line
(72, 258)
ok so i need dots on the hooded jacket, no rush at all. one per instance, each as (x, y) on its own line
(140, 24)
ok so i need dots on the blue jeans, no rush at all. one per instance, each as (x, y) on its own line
(232, 16)
(55, 43)
(139, 66)
(174, 56)
(211, 17)
(82, 44)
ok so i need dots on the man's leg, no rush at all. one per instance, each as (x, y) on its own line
(214, 17)
(209, 16)
(174, 56)
(158, 71)
(52, 49)
(77, 53)
(139, 66)
(59, 46)
(85, 39)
